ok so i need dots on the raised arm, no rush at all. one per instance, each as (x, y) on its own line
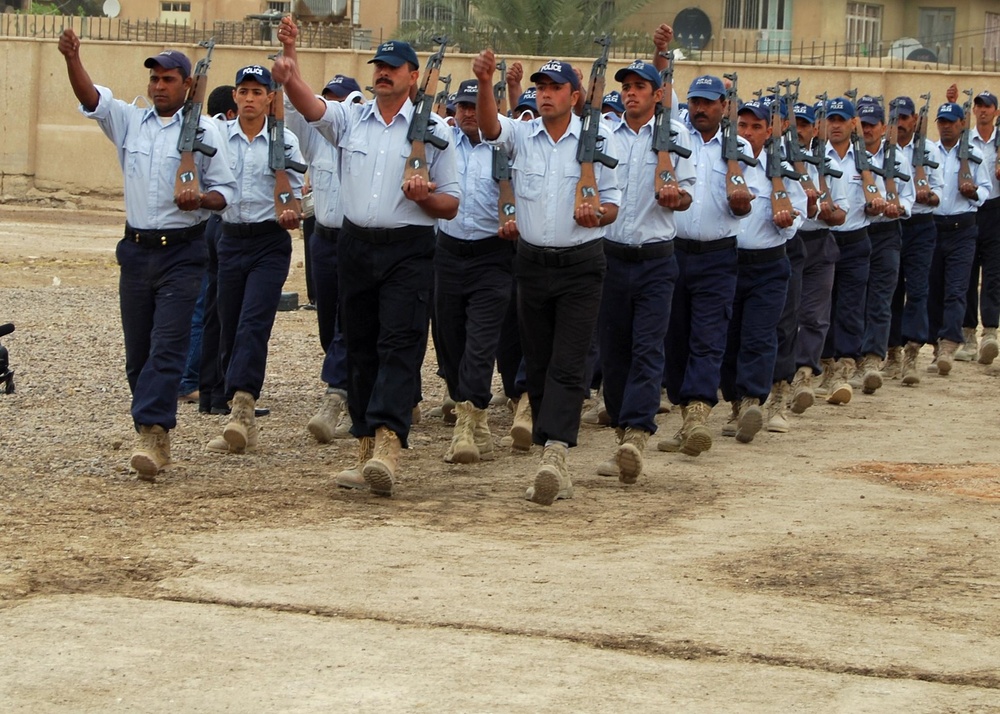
(286, 72)
(484, 66)
(83, 87)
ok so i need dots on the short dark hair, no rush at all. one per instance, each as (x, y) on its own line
(221, 101)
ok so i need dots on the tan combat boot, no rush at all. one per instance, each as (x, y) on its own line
(989, 348)
(932, 368)
(152, 452)
(520, 430)
(597, 415)
(552, 480)
(609, 468)
(729, 428)
(910, 377)
(323, 426)
(751, 420)
(628, 456)
(344, 424)
(840, 390)
(893, 367)
(946, 355)
(871, 375)
(968, 350)
(352, 477)
(241, 431)
(777, 418)
(462, 449)
(675, 442)
(697, 437)
(380, 471)
(481, 434)
(827, 376)
(803, 396)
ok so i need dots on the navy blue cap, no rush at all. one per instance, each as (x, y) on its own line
(949, 111)
(867, 99)
(707, 87)
(527, 99)
(804, 111)
(904, 106)
(643, 69)
(395, 53)
(340, 86)
(256, 73)
(170, 59)
(840, 107)
(757, 108)
(870, 113)
(782, 105)
(468, 92)
(613, 100)
(986, 97)
(559, 72)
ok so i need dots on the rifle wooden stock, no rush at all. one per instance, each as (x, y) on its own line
(416, 164)
(506, 205)
(586, 187)
(284, 196)
(187, 171)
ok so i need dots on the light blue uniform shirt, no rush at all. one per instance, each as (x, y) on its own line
(641, 219)
(934, 178)
(324, 168)
(709, 217)
(545, 174)
(989, 152)
(248, 160)
(478, 213)
(905, 189)
(952, 202)
(758, 231)
(837, 195)
(852, 187)
(372, 158)
(147, 152)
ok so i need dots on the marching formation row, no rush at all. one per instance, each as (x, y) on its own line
(771, 249)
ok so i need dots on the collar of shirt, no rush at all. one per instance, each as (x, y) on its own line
(575, 125)
(236, 130)
(371, 109)
(622, 125)
(717, 138)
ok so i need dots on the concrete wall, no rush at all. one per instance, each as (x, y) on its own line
(48, 144)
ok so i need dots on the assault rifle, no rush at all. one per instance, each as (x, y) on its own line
(279, 163)
(731, 152)
(6, 373)
(506, 208)
(889, 170)
(996, 143)
(421, 129)
(861, 160)
(920, 157)
(441, 100)
(663, 135)
(794, 153)
(819, 142)
(588, 151)
(191, 130)
(776, 170)
(965, 154)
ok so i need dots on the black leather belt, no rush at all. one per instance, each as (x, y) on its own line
(704, 246)
(384, 236)
(814, 235)
(560, 257)
(917, 219)
(750, 256)
(956, 222)
(639, 253)
(883, 227)
(164, 239)
(472, 248)
(251, 230)
(325, 232)
(846, 238)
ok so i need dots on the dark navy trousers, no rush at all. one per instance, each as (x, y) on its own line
(252, 271)
(510, 358)
(788, 324)
(909, 303)
(323, 266)
(472, 288)
(850, 284)
(699, 321)
(821, 255)
(883, 276)
(212, 375)
(949, 280)
(157, 289)
(984, 297)
(752, 336)
(635, 313)
(386, 278)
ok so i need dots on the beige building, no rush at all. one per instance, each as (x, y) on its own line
(187, 12)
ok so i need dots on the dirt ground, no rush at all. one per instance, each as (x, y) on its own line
(849, 565)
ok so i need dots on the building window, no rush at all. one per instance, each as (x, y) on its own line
(991, 41)
(175, 7)
(282, 6)
(756, 14)
(426, 10)
(864, 26)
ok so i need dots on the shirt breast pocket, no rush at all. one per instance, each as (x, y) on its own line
(354, 154)
(136, 157)
(527, 180)
(719, 171)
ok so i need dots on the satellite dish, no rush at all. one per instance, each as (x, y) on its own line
(922, 55)
(112, 8)
(692, 28)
